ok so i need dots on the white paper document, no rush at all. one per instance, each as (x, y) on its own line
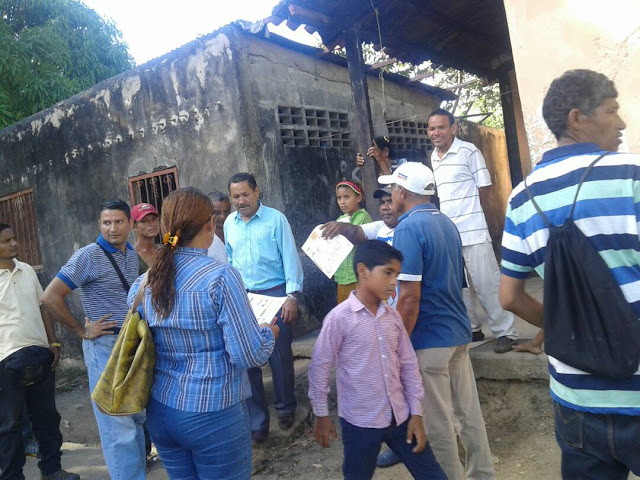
(265, 308)
(327, 254)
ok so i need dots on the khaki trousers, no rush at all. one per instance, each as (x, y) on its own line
(451, 408)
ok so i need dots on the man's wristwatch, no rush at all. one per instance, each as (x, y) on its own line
(293, 296)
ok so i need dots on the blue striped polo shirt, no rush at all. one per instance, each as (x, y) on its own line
(607, 212)
(101, 291)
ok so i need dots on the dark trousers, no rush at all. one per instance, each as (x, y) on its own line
(281, 362)
(39, 399)
(597, 446)
(362, 445)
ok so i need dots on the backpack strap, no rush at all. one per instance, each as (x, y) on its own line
(575, 199)
(582, 179)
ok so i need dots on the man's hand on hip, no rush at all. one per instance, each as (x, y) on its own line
(99, 328)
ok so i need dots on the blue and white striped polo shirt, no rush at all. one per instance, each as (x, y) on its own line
(101, 291)
(608, 213)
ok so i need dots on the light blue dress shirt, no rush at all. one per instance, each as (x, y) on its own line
(263, 250)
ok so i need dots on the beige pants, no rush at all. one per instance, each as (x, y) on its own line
(451, 408)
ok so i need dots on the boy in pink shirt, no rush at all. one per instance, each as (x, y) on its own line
(379, 383)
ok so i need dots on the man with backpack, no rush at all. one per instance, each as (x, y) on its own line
(575, 221)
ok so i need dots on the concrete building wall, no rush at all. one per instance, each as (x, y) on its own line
(549, 37)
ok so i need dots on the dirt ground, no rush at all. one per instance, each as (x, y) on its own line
(518, 416)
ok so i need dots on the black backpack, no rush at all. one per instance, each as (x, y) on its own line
(588, 324)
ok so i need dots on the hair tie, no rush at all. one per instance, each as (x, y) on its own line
(351, 185)
(172, 240)
(386, 139)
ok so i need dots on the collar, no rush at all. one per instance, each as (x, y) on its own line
(191, 251)
(582, 148)
(259, 213)
(107, 246)
(356, 305)
(16, 266)
(453, 149)
(422, 206)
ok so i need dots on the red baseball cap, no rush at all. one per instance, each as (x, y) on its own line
(141, 210)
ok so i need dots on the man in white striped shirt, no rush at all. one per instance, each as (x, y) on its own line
(463, 181)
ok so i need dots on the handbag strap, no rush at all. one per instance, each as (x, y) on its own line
(140, 296)
(125, 284)
(575, 199)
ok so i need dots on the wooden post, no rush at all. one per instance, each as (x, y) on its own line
(362, 124)
(510, 128)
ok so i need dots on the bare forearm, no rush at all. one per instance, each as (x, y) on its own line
(514, 298)
(485, 195)
(48, 325)
(408, 309)
(59, 310)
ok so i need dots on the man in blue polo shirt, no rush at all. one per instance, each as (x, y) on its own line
(431, 306)
(261, 246)
(597, 419)
(103, 271)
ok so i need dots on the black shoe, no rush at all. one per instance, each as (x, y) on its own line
(504, 345)
(285, 422)
(61, 475)
(477, 336)
(259, 437)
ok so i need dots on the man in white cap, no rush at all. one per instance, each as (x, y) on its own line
(431, 306)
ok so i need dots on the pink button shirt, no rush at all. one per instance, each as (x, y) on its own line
(378, 377)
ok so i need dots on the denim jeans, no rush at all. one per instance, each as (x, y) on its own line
(281, 362)
(597, 446)
(206, 446)
(122, 437)
(362, 445)
(39, 401)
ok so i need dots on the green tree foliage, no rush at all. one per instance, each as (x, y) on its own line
(51, 50)
(476, 101)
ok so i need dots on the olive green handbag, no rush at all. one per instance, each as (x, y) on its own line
(125, 384)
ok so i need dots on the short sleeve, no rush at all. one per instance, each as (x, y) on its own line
(371, 229)
(478, 168)
(79, 270)
(409, 245)
(361, 217)
(516, 255)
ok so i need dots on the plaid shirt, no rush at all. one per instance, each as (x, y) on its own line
(206, 344)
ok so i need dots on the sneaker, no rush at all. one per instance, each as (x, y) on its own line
(477, 336)
(504, 345)
(388, 458)
(285, 422)
(61, 475)
(31, 448)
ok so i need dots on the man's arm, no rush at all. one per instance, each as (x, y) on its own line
(485, 194)
(293, 273)
(51, 336)
(408, 305)
(514, 298)
(53, 301)
(354, 233)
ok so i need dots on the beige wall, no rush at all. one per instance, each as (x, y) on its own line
(549, 37)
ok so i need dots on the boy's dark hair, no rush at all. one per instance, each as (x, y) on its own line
(442, 111)
(374, 253)
(116, 204)
(243, 177)
(4, 226)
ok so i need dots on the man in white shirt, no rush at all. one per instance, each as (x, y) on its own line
(221, 210)
(29, 353)
(463, 182)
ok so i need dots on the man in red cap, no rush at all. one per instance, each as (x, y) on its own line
(146, 225)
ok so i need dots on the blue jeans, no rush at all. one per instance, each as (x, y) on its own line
(362, 445)
(281, 362)
(122, 437)
(597, 446)
(208, 445)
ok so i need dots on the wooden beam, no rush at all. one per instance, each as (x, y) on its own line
(304, 15)
(460, 85)
(417, 78)
(362, 123)
(510, 129)
(381, 64)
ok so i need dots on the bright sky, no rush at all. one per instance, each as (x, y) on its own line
(155, 27)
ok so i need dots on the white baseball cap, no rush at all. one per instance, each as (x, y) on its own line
(414, 176)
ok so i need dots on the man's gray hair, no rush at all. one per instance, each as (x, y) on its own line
(218, 197)
(582, 89)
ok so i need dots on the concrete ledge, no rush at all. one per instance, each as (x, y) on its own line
(507, 366)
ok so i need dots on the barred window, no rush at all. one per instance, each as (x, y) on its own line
(406, 135)
(153, 188)
(304, 126)
(18, 211)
